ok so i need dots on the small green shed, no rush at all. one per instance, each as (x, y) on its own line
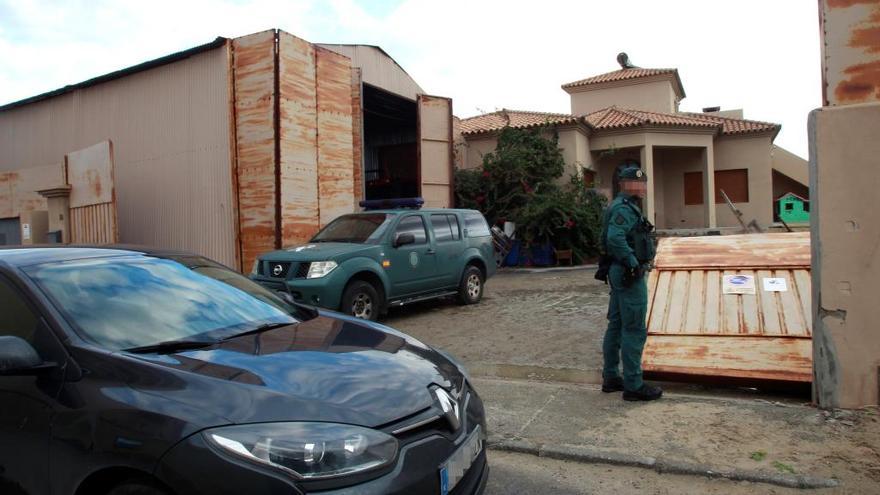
(793, 208)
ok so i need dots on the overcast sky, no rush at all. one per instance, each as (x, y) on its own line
(762, 56)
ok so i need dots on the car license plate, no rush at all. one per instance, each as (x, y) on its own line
(460, 461)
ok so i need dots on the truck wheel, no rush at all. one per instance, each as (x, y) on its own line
(470, 290)
(137, 487)
(361, 300)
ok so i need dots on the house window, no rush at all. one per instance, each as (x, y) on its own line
(789, 207)
(735, 184)
(589, 178)
(693, 188)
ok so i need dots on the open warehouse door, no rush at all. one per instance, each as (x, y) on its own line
(435, 150)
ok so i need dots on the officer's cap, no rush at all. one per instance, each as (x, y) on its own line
(631, 171)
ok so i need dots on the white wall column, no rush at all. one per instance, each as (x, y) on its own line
(709, 186)
(647, 161)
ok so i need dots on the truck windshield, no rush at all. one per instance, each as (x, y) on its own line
(121, 302)
(360, 229)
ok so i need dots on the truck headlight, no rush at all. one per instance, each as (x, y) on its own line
(319, 269)
(256, 267)
(307, 450)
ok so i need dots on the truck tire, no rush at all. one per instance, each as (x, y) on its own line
(361, 300)
(470, 289)
(137, 487)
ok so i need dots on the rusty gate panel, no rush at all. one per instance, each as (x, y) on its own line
(254, 80)
(850, 51)
(435, 150)
(298, 139)
(694, 328)
(357, 129)
(90, 174)
(335, 154)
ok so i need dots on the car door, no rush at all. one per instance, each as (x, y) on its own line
(413, 266)
(26, 404)
(449, 246)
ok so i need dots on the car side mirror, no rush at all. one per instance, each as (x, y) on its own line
(17, 357)
(404, 239)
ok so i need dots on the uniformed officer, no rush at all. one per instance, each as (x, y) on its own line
(630, 250)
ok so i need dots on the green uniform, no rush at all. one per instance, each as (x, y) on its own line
(626, 238)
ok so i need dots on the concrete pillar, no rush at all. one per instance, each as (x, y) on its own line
(647, 161)
(709, 187)
(59, 210)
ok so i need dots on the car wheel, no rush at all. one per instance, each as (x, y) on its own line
(137, 487)
(470, 290)
(362, 300)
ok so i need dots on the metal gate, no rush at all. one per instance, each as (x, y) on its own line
(10, 232)
(92, 195)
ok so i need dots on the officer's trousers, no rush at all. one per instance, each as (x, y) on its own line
(626, 333)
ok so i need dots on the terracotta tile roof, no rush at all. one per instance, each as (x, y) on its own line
(519, 119)
(618, 118)
(613, 118)
(626, 75)
(737, 126)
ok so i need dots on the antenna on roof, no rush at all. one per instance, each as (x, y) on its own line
(623, 60)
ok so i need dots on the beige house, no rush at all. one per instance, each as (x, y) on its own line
(632, 114)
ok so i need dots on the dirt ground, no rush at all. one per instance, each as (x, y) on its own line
(546, 320)
(535, 331)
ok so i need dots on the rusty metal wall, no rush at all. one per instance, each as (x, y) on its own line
(299, 137)
(18, 188)
(357, 134)
(850, 51)
(379, 69)
(170, 129)
(435, 150)
(254, 82)
(335, 155)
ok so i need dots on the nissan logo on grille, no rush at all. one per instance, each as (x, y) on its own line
(277, 270)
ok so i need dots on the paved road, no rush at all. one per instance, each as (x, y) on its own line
(525, 474)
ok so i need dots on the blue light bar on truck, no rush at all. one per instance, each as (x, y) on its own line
(389, 204)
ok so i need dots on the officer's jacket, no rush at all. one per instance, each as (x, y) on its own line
(626, 233)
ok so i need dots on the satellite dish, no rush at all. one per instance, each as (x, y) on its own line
(623, 60)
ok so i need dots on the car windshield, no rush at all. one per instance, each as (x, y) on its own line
(360, 229)
(123, 302)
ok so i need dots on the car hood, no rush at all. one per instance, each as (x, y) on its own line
(318, 251)
(330, 368)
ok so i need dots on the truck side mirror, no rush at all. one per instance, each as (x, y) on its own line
(18, 357)
(404, 239)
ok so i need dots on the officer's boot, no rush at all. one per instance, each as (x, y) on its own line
(647, 392)
(612, 384)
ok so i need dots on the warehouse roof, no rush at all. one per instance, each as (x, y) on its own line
(150, 64)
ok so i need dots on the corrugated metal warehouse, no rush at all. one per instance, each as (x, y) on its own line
(229, 149)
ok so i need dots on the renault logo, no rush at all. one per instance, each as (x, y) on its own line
(449, 407)
(277, 270)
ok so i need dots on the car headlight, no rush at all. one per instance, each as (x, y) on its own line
(307, 450)
(318, 269)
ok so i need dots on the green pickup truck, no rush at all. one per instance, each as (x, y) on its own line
(364, 263)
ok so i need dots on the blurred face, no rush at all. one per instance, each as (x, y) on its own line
(637, 188)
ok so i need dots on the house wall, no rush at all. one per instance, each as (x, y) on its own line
(653, 96)
(170, 130)
(752, 153)
(791, 165)
(575, 146)
(670, 165)
(476, 148)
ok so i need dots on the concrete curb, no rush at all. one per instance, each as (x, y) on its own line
(587, 455)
